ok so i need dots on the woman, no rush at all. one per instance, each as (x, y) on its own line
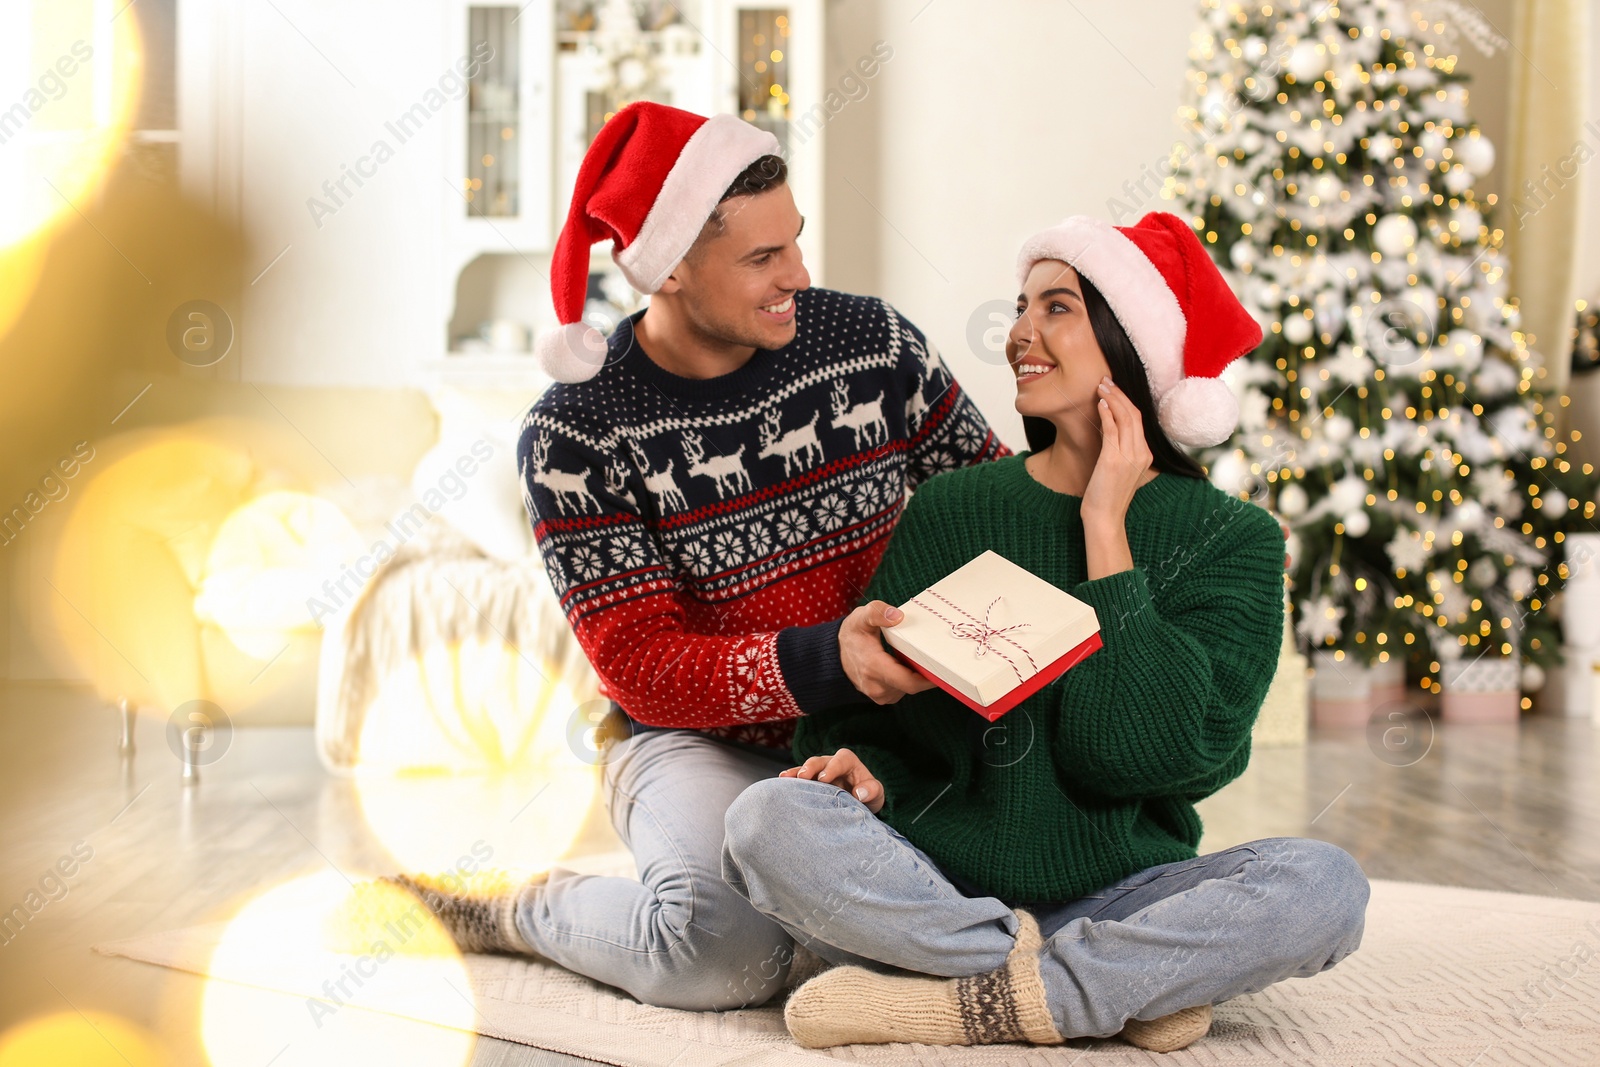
(1039, 875)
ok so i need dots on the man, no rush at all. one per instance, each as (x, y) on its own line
(711, 489)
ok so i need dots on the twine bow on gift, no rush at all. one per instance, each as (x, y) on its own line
(982, 632)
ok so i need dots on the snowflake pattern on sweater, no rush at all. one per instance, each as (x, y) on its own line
(706, 536)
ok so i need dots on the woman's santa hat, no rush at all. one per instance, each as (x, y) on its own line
(1172, 301)
(648, 183)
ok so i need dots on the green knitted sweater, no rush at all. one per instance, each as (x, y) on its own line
(1095, 776)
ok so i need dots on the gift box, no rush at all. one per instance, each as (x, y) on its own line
(992, 634)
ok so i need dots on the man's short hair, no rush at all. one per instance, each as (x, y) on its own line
(767, 172)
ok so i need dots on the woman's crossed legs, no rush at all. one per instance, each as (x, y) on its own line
(1196, 932)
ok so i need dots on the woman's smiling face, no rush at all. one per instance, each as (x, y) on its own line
(1052, 348)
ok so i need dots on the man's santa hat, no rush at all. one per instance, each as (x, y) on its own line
(648, 183)
(1182, 318)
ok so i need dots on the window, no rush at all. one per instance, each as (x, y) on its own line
(493, 115)
(764, 69)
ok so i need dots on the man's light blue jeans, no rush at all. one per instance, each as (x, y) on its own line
(853, 890)
(679, 937)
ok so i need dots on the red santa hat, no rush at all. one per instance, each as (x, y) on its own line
(1169, 296)
(648, 183)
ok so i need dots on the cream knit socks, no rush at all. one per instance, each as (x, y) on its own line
(1170, 1032)
(847, 1005)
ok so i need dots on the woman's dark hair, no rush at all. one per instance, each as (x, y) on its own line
(1127, 371)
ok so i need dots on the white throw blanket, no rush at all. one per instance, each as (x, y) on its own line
(438, 592)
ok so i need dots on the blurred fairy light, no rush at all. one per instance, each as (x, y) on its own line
(82, 1039)
(370, 974)
(476, 730)
(60, 130)
(69, 86)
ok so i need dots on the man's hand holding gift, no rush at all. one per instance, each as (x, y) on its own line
(871, 669)
(845, 770)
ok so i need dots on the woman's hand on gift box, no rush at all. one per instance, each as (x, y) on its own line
(845, 770)
(870, 667)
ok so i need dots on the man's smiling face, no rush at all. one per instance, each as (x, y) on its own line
(738, 282)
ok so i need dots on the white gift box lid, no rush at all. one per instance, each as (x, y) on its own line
(1037, 625)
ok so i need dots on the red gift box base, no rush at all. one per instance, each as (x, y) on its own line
(1022, 692)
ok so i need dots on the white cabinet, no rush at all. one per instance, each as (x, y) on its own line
(496, 188)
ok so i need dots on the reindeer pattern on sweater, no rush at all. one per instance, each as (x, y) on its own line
(701, 533)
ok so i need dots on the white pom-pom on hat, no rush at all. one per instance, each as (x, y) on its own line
(1199, 412)
(572, 353)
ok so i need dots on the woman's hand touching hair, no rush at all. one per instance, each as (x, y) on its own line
(1124, 456)
(1121, 468)
(845, 770)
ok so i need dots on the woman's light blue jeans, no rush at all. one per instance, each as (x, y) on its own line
(679, 936)
(853, 890)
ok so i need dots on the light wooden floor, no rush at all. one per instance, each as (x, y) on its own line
(1515, 809)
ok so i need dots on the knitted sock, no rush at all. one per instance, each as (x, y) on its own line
(478, 913)
(1170, 1032)
(847, 1005)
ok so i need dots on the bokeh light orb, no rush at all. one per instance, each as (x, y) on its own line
(329, 974)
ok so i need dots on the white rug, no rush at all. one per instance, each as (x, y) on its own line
(1444, 976)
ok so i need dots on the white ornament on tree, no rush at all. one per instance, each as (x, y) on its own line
(1532, 678)
(1292, 501)
(1347, 494)
(1475, 151)
(1229, 472)
(1395, 234)
(1468, 518)
(1263, 87)
(1407, 550)
(1297, 329)
(1356, 524)
(1321, 620)
(1426, 302)
(1306, 62)
(1330, 312)
(1519, 581)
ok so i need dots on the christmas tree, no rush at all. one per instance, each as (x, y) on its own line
(1393, 414)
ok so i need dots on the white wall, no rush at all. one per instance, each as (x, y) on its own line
(986, 125)
(356, 301)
